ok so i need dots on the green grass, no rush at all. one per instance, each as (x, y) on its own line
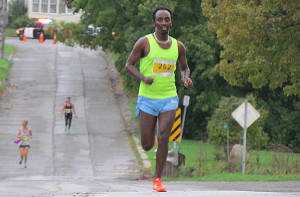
(10, 32)
(9, 49)
(237, 177)
(201, 163)
(132, 105)
(4, 66)
(4, 63)
(2, 87)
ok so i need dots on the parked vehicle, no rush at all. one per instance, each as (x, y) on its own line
(35, 29)
(93, 31)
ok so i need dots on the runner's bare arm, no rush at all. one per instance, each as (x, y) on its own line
(135, 55)
(185, 70)
(19, 134)
(73, 108)
(30, 132)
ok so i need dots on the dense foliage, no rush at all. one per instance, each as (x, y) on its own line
(124, 22)
(21, 21)
(17, 10)
(131, 20)
(260, 40)
(256, 137)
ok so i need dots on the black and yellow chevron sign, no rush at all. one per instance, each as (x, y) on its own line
(175, 132)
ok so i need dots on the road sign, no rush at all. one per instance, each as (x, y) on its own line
(186, 100)
(225, 126)
(245, 115)
(239, 115)
(176, 129)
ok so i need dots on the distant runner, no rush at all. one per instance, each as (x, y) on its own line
(158, 54)
(24, 134)
(68, 110)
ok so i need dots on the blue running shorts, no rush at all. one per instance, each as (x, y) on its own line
(155, 106)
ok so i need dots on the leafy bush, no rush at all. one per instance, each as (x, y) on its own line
(21, 21)
(256, 137)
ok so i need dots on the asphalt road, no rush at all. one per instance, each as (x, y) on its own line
(95, 159)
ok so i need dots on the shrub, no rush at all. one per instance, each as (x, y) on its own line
(21, 21)
(256, 137)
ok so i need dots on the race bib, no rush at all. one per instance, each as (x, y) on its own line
(163, 67)
(24, 138)
(68, 111)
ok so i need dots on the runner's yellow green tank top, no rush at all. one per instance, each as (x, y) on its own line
(159, 64)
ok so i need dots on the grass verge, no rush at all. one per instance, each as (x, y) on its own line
(2, 87)
(202, 164)
(4, 66)
(238, 177)
(9, 49)
(9, 32)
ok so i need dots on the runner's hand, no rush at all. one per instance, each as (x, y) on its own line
(188, 83)
(76, 116)
(148, 80)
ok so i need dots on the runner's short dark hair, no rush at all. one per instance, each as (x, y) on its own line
(161, 8)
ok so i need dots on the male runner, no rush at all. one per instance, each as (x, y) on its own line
(158, 54)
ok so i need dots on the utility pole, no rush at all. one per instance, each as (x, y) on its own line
(3, 22)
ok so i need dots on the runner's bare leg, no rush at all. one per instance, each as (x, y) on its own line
(166, 121)
(21, 152)
(147, 126)
(25, 154)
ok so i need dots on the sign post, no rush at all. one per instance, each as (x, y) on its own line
(245, 115)
(244, 138)
(175, 158)
(186, 102)
(225, 126)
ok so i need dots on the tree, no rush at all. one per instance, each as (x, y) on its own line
(16, 9)
(281, 124)
(260, 42)
(203, 55)
(132, 19)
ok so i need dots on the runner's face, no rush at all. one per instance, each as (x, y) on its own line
(162, 22)
(23, 123)
(68, 100)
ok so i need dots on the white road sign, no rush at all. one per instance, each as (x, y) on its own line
(239, 115)
(186, 100)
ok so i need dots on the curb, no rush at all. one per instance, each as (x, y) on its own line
(11, 56)
(122, 101)
(146, 162)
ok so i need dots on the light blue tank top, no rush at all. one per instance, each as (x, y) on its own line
(26, 134)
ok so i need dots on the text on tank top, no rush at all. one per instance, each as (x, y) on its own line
(68, 109)
(26, 135)
(160, 64)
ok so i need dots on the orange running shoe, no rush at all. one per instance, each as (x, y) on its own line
(157, 185)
